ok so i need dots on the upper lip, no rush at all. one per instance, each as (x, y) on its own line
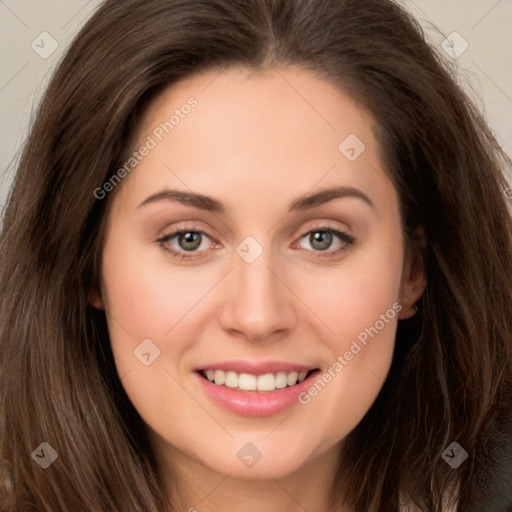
(256, 367)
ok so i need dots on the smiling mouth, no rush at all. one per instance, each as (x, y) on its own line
(257, 383)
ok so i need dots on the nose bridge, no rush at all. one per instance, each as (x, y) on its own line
(258, 304)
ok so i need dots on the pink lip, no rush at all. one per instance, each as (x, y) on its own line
(256, 403)
(256, 368)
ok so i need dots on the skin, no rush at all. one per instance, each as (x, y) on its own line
(256, 142)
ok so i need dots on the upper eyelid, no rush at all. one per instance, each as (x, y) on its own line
(322, 227)
(325, 224)
(166, 233)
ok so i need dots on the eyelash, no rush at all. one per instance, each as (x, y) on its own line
(347, 240)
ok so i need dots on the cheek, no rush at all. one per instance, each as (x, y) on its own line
(147, 300)
(147, 297)
(353, 296)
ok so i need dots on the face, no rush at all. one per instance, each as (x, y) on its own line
(252, 271)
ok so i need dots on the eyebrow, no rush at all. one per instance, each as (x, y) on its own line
(213, 205)
(186, 198)
(326, 195)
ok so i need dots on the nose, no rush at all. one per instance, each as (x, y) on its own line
(258, 305)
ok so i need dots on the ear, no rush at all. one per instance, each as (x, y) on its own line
(414, 279)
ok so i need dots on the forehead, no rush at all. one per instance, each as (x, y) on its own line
(239, 98)
(283, 128)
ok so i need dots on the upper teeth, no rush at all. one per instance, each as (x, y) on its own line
(249, 382)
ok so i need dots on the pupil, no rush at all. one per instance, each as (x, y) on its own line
(321, 240)
(189, 241)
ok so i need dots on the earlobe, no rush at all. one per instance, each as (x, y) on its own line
(97, 303)
(408, 311)
(95, 300)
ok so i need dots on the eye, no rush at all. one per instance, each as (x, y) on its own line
(325, 239)
(181, 242)
(189, 243)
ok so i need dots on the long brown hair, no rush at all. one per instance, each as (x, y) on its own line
(451, 374)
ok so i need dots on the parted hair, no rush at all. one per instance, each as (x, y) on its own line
(451, 374)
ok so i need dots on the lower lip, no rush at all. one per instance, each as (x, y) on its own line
(252, 403)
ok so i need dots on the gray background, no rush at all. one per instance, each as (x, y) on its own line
(484, 67)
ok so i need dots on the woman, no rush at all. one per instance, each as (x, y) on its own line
(257, 255)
